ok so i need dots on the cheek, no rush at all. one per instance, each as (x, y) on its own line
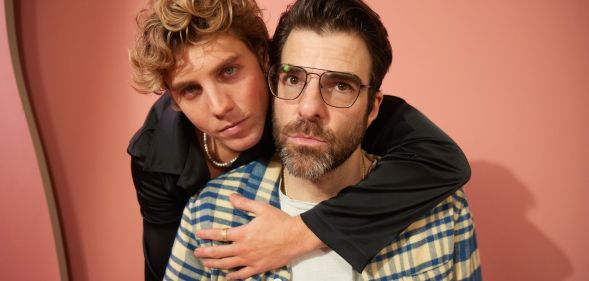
(343, 121)
(197, 114)
(254, 94)
(280, 112)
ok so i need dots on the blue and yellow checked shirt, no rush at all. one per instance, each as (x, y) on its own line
(440, 246)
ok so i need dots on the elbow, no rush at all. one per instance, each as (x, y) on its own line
(459, 166)
(462, 169)
(450, 163)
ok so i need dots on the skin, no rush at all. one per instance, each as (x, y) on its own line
(338, 51)
(334, 51)
(269, 241)
(219, 85)
(221, 88)
(254, 246)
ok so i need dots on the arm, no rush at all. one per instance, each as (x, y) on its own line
(255, 247)
(420, 168)
(161, 210)
(158, 152)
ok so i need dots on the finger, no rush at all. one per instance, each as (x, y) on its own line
(242, 273)
(226, 263)
(245, 204)
(216, 252)
(216, 234)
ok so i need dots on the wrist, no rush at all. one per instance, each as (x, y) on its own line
(306, 240)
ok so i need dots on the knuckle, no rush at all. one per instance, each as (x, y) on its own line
(215, 264)
(236, 234)
(239, 248)
(240, 275)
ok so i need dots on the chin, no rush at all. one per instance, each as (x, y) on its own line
(246, 142)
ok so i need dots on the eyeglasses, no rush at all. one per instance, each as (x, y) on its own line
(338, 89)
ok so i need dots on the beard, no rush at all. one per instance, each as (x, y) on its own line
(312, 163)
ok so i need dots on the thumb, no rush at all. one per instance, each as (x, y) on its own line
(245, 204)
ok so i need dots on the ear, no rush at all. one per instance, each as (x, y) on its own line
(375, 107)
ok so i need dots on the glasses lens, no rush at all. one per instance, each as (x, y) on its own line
(286, 81)
(339, 89)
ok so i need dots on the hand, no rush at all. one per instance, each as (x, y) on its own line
(271, 240)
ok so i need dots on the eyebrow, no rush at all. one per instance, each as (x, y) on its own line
(345, 75)
(189, 81)
(340, 74)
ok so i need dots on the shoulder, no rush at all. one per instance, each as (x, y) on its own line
(392, 104)
(391, 100)
(166, 144)
(430, 244)
(245, 180)
(160, 114)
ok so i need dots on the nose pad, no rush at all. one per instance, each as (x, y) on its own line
(309, 77)
(311, 103)
(308, 82)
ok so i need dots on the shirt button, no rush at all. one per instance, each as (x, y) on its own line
(277, 279)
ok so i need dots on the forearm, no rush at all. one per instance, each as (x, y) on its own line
(361, 220)
(421, 166)
(161, 213)
(305, 240)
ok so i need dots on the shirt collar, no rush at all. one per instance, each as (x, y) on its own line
(167, 143)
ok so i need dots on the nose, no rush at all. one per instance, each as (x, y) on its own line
(220, 101)
(311, 105)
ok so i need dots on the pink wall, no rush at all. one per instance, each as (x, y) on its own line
(26, 235)
(74, 54)
(507, 80)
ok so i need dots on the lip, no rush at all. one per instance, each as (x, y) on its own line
(232, 128)
(303, 139)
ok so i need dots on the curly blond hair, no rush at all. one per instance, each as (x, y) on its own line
(167, 26)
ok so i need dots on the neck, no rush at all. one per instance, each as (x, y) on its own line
(218, 152)
(348, 173)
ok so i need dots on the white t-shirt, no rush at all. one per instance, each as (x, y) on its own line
(320, 265)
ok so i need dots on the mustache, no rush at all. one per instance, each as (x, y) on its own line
(308, 128)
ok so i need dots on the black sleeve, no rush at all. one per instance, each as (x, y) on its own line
(421, 166)
(161, 205)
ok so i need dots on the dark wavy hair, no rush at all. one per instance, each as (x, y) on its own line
(352, 16)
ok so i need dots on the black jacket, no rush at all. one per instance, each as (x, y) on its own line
(420, 167)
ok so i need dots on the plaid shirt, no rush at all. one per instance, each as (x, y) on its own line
(439, 246)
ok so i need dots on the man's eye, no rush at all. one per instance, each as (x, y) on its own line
(229, 71)
(191, 91)
(291, 80)
(343, 87)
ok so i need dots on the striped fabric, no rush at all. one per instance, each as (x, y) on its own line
(440, 246)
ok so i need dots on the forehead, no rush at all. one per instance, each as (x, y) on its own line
(336, 51)
(207, 54)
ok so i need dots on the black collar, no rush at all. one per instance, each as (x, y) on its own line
(167, 144)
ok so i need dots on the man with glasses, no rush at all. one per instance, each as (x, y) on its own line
(325, 81)
(338, 89)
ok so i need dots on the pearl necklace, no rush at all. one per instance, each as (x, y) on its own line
(215, 163)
